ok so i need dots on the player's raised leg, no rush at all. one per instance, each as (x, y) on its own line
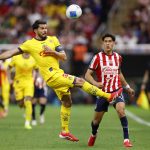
(91, 89)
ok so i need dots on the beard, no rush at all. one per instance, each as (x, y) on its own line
(42, 37)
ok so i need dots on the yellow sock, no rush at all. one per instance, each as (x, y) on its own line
(65, 117)
(28, 110)
(91, 89)
(6, 104)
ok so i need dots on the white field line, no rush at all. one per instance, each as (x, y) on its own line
(137, 119)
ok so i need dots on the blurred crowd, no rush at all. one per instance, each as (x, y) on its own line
(137, 29)
(17, 16)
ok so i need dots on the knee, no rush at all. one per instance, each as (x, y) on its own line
(96, 122)
(67, 104)
(66, 101)
(21, 104)
(79, 82)
(29, 98)
(121, 112)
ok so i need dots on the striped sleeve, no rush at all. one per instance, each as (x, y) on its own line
(94, 63)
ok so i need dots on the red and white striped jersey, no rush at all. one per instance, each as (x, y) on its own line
(107, 68)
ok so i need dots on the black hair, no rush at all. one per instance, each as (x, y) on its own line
(36, 24)
(108, 35)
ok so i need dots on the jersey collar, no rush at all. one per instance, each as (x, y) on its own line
(40, 40)
(107, 54)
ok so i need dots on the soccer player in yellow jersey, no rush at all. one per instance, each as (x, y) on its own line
(24, 83)
(47, 51)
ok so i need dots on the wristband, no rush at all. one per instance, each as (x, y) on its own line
(127, 86)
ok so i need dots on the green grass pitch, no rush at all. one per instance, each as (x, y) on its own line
(13, 136)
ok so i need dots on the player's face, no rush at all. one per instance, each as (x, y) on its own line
(41, 32)
(108, 44)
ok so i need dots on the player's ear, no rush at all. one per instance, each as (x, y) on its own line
(34, 30)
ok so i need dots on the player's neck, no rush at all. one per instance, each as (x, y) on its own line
(108, 52)
(40, 38)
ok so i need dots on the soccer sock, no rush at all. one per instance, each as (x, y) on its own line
(65, 117)
(91, 89)
(42, 108)
(33, 112)
(124, 123)
(94, 128)
(28, 110)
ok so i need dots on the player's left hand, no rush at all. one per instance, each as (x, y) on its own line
(47, 51)
(131, 92)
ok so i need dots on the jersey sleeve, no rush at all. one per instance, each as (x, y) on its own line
(94, 63)
(24, 47)
(56, 41)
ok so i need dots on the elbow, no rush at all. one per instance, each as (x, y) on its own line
(86, 76)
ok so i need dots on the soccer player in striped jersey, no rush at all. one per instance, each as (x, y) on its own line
(47, 52)
(107, 66)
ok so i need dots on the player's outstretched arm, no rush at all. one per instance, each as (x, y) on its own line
(9, 53)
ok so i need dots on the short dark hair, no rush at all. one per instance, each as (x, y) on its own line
(108, 35)
(36, 24)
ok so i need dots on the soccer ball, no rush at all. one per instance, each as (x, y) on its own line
(73, 11)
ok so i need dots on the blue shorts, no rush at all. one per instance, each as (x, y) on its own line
(102, 104)
(38, 93)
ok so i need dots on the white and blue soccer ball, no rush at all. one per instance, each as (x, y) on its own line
(73, 11)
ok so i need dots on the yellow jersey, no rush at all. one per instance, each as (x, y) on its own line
(47, 65)
(23, 67)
